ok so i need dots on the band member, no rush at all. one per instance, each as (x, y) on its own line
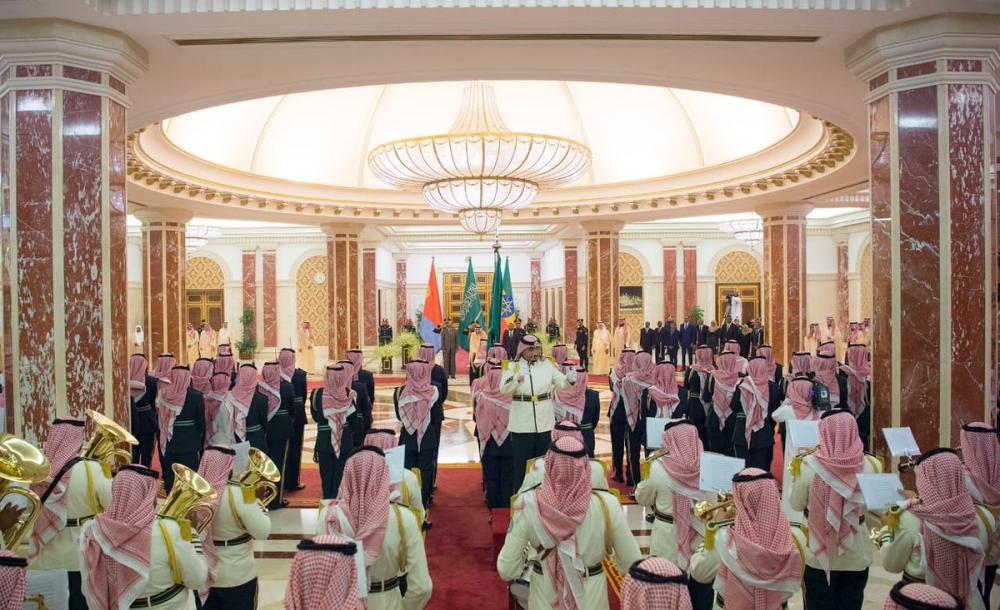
(142, 392)
(559, 355)
(655, 584)
(14, 581)
(240, 519)
(364, 404)
(660, 399)
(754, 402)
(776, 375)
(334, 409)
(801, 364)
(440, 377)
(582, 405)
(825, 368)
(918, 596)
(225, 363)
(492, 408)
(355, 357)
(581, 342)
(280, 397)
(420, 407)
(242, 413)
(857, 398)
(754, 561)
(296, 377)
(601, 349)
(616, 413)
(695, 381)
(826, 489)
(575, 526)
(407, 492)
(181, 411)
(201, 380)
(388, 535)
(76, 491)
(220, 383)
(720, 420)
(530, 380)
(981, 454)
(536, 467)
(324, 575)
(642, 376)
(950, 536)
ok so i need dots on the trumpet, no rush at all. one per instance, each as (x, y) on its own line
(705, 510)
(107, 435)
(21, 462)
(260, 473)
(887, 533)
(652, 457)
(795, 464)
(190, 494)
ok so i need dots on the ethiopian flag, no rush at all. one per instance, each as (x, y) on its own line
(472, 308)
(430, 316)
(507, 310)
(496, 297)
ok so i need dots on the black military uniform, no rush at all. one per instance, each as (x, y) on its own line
(145, 424)
(694, 409)
(424, 457)
(582, 343)
(257, 422)
(591, 415)
(279, 434)
(552, 330)
(187, 438)
(331, 466)
(720, 439)
(384, 334)
(298, 415)
(761, 448)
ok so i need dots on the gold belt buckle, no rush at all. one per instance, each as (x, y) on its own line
(534, 399)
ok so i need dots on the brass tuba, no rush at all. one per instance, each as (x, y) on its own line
(21, 462)
(190, 494)
(104, 441)
(260, 473)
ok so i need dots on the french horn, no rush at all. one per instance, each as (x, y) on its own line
(260, 473)
(105, 437)
(21, 462)
(190, 495)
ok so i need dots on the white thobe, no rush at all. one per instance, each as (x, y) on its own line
(538, 379)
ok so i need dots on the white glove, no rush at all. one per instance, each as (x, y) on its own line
(571, 376)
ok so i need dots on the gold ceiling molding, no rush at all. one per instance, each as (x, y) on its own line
(834, 150)
(537, 37)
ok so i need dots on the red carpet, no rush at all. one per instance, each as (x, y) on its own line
(312, 494)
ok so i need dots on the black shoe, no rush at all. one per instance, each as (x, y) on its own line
(299, 487)
(618, 478)
(427, 525)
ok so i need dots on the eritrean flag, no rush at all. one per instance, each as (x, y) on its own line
(430, 316)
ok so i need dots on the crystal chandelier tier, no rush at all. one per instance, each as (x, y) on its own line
(749, 231)
(479, 164)
(197, 236)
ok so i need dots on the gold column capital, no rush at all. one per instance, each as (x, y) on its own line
(785, 209)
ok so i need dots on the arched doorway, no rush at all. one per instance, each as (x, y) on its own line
(630, 297)
(312, 297)
(204, 294)
(739, 273)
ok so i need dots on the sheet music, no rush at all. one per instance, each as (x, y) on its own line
(654, 432)
(395, 460)
(717, 471)
(242, 456)
(53, 585)
(803, 433)
(881, 490)
(901, 442)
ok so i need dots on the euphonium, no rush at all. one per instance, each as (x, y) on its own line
(705, 510)
(106, 436)
(260, 473)
(190, 494)
(21, 462)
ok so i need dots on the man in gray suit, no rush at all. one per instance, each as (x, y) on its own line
(449, 346)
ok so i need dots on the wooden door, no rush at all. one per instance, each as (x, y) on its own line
(749, 295)
(454, 287)
(206, 305)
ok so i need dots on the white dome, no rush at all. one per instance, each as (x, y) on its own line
(634, 132)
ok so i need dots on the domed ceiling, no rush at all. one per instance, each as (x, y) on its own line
(635, 132)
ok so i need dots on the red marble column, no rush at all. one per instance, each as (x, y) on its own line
(250, 288)
(843, 292)
(401, 313)
(602, 272)
(344, 286)
(370, 296)
(670, 283)
(785, 323)
(270, 298)
(690, 278)
(572, 291)
(932, 131)
(536, 292)
(163, 256)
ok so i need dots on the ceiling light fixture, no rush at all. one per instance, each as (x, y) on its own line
(196, 236)
(479, 168)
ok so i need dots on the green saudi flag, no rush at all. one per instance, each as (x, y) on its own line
(495, 332)
(472, 308)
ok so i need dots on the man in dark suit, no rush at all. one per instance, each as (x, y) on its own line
(670, 338)
(659, 345)
(648, 338)
(512, 338)
(688, 336)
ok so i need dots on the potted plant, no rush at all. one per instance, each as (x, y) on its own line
(408, 344)
(697, 316)
(247, 345)
(386, 353)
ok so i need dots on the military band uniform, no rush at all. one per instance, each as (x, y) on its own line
(364, 406)
(257, 422)
(145, 424)
(239, 521)
(720, 438)
(626, 443)
(187, 439)
(582, 345)
(298, 415)
(423, 457)
(694, 407)
(440, 377)
(498, 473)
(279, 434)
(760, 451)
(176, 566)
(591, 416)
(331, 466)
(532, 417)
(536, 473)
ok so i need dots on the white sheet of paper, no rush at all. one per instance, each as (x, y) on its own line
(654, 432)
(803, 433)
(395, 460)
(881, 490)
(242, 456)
(52, 584)
(901, 442)
(717, 471)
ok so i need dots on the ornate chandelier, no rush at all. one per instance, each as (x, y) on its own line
(749, 231)
(196, 236)
(479, 169)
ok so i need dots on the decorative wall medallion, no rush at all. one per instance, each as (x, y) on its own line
(320, 278)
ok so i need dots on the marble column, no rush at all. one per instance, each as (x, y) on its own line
(536, 292)
(164, 255)
(785, 324)
(602, 271)
(571, 293)
(62, 192)
(843, 290)
(270, 283)
(401, 313)
(931, 89)
(250, 288)
(690, 278)
(370, 296)
(344, 286)
(670, 282)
